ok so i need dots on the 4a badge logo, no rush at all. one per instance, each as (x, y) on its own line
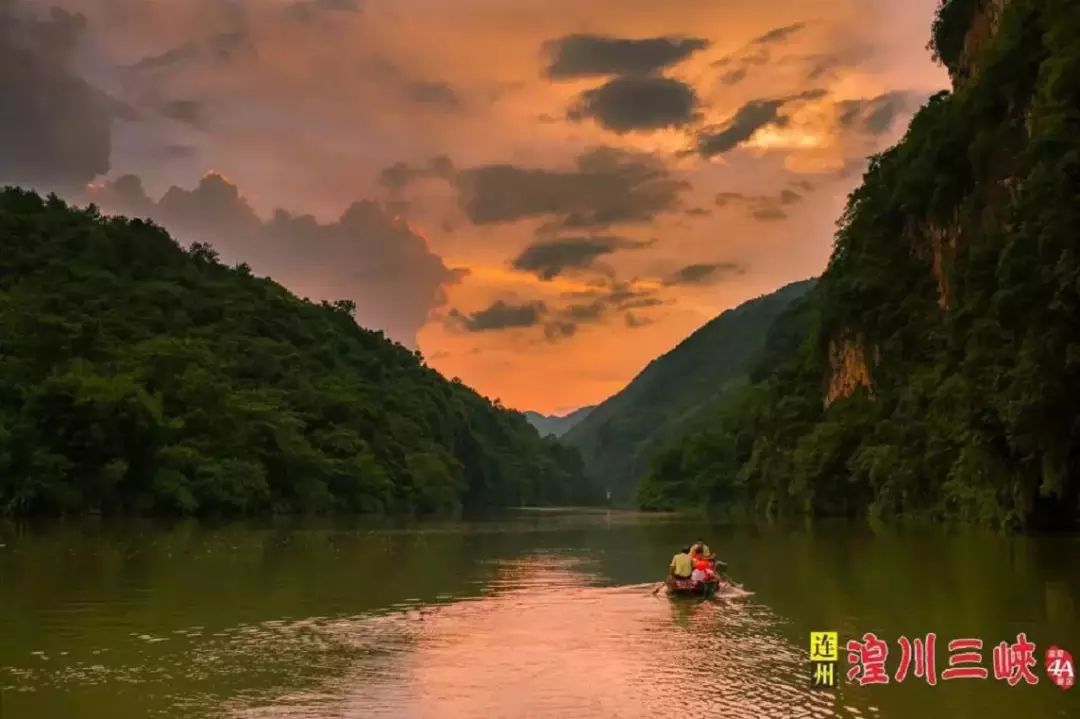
(1060, 667)
(824, 653)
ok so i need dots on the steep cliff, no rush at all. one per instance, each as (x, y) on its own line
(940, 366)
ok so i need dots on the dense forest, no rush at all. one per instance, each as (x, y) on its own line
(139, 377)
(675, 391)
(935, 369)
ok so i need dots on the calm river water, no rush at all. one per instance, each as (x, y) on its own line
(534, 614)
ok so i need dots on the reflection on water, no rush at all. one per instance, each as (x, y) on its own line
(567, 650)
(545, 615)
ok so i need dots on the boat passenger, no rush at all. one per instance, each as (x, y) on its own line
(701, 572)
(681, 564)
(700, 550)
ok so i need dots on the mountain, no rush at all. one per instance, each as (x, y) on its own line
(137, 377)
(937, 369)
(616, 438)
(556, 425)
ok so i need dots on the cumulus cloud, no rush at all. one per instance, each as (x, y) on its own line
(704, 273)
(747, 120)
(549, 259)
(366, 255)
(501, 315)
(584, 55)
(624, 104)
(606, 187)
(55, 129)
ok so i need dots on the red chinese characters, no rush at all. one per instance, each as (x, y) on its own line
(868, 660)
(921, 654)
(965, 656)
(1013, 662)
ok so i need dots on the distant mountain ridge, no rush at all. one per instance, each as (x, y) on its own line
(557, 425)
(618, 436)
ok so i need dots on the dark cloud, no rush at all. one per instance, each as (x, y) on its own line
(439, 94)
(755, 54)
(219, 49)
(704, 274)
(610, 299)
(765, 208)
(768, 213)
(724, 199)
(399, 175)
(739, 66)
(307, 10)
(501, 315)
(590, 55)
(607, 186)
(606, 302)
(634, 320)
(175, 151)
(550, 259)
(55, 129)
(366, 255)
(874, 115)
(749, 118)
(698, 212)
(558, 330)
(186, 111)
(779, 34)
(169, 58)
(631, 103)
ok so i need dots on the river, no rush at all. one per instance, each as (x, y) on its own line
(531, 614)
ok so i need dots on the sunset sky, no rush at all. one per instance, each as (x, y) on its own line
(540, 195)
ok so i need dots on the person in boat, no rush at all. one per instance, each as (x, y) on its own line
(702, 572)
(700, 550)
(682, 566)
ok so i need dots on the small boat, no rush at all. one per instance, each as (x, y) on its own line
(689, 588)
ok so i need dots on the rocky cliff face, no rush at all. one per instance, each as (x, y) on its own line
(985, 22)
(848, 368)
(935, 242)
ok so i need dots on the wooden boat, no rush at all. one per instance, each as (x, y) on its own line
(689, 588)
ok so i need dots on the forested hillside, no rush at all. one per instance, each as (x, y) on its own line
(939, 366)
(137, 377)
(703, 370)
